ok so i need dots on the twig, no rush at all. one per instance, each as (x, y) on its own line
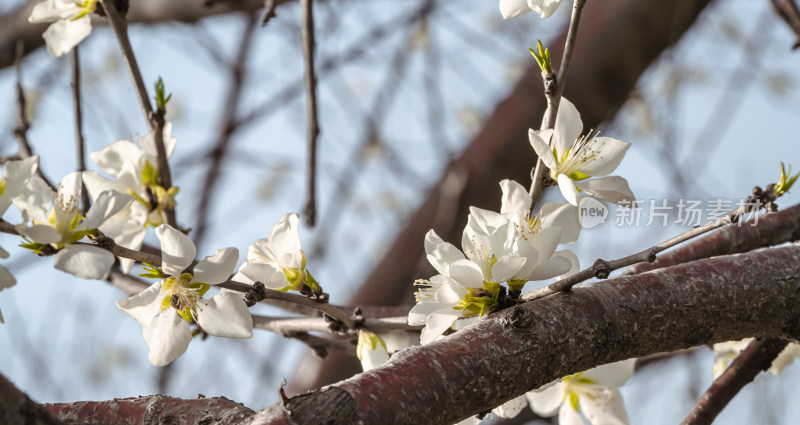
(21, 131)
(601, 268)
(76, 99)
(324, 307)
(320, 345)
(756, 357)
(787, 10)
(759, 232)
(554, 97)
(269, 5)
(228, 128)
(154, 119)
(310, 82)
(284, 325)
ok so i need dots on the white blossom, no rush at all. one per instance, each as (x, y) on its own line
(512, 8)
(573, 158)
(593, 393)
(71, 23)
(278, 261)
(60, 226)
(166, 309)
(16, 175)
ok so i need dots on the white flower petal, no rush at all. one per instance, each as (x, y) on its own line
(437, 323)
(419, 313)
(370, 359)
(568, 189)
(558, 265)
(567, 415)
(168, 337)
(515, 197)
(216, 268)
(177, 250)
(786, 356)
(613, 374)
(506, 266)
(61, 36)
(432, 240)
(546, 400)
(443, 256)
(449, 295)
(564, 216)
(606, 410)
(143, 306)
(84, 261)
(511, 408)
(568, 126)
(17, 174)
(267, 273)
(467, 273)
(612, 189)
(106, 205)
(284, 241)
(608, 155)
(539, 141)
(513, 8)
(53, 10)
(113, 158)
(544, 8)
(41, 233)
(34, 200)
(225, 315)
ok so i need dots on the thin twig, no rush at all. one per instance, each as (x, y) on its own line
(269, 5)
(21, 130)
(787, 10)
(75, 63)
(758, 356)
(310, 82)
(324, 307)
(154, 119)
(284, 325)
(601, 268)
(554, 98)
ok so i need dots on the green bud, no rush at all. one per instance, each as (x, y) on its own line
(786, 181)
(161, 98)
(542, 57)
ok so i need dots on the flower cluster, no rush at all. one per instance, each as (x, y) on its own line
(70, 23)
(134, 168)
(506, 247)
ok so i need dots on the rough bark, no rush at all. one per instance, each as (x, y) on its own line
(598, 85)
(16, 408)
(15, 26)
(153, 409)
(771, 229)
(756, 294)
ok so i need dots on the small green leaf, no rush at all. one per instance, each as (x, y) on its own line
(161, 97)
(542, 57)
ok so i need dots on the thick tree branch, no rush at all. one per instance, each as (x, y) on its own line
(771, 229)
(153, 409)
(16, 408)
(755, 294)
(758, 356)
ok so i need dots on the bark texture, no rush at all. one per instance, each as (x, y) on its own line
(153, 409)
(598, 85)
(16, 408)
(756, 294)
(15, 26)
(771, 229)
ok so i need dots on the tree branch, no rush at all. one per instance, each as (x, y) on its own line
(758, 356)
(310, 82)
(511, 352)
(16, 408)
